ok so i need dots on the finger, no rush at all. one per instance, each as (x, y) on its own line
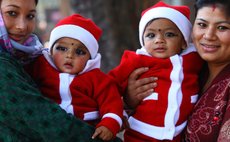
(144, 81)
(145, 88)
(141, 85)
(135, 95)
(145, 94)
(136, 73)
(96, 133)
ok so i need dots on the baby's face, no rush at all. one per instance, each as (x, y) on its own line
(163, 39)
(70, 55)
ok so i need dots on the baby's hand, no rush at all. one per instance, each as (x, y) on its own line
(103, 133)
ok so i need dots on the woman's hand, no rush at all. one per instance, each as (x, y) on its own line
(137, 90)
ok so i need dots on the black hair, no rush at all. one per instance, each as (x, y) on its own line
(36, 1)
(224, 3)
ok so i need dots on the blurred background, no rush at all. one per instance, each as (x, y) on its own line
(118, 19)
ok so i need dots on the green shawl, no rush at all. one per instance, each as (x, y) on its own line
(25, 115)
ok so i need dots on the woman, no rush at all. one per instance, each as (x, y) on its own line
(24, 114)
(210, 119)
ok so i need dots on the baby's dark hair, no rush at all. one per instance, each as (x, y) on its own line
(224, 3)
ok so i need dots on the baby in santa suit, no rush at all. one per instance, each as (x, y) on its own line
(69, 73)
(164, 34)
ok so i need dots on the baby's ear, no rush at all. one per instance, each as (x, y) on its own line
(184, 45)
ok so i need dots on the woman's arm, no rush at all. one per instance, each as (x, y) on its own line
(27, 114)
(138, 89)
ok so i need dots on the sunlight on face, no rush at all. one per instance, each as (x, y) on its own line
(163, 39)
(70, 55)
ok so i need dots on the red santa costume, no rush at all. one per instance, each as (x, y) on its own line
(162, 115)
(91, 95)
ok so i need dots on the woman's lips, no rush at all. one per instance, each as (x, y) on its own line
(209, 48)
(17, 37)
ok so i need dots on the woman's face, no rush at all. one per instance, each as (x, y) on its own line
(19, 18)
(211, 35)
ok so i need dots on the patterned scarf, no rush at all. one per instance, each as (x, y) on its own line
(26, 52)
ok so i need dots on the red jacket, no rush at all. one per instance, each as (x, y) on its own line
(163, 114)
(90, 96)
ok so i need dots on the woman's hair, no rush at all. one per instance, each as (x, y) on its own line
(36, 1)
(224, 3)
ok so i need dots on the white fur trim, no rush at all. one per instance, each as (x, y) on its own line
(160, 133)
(175, 93)
(175, 16)
(64, 90)
(114, 116)
(93, 115)
(49, 58)
(142, 51)
(194, 98)
(153, 96)
(75, 32)
(92, 64)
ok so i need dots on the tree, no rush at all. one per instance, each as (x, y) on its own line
(119, 21)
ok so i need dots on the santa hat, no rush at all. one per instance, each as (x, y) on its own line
(179, 15)
(80, 28)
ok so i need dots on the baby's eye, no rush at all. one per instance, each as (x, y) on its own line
(170, 34)
(61, 48)
(80, 52)
(150, 35)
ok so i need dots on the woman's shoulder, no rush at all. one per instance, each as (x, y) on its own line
(223, 76)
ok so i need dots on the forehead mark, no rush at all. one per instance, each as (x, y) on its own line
(213, 7)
